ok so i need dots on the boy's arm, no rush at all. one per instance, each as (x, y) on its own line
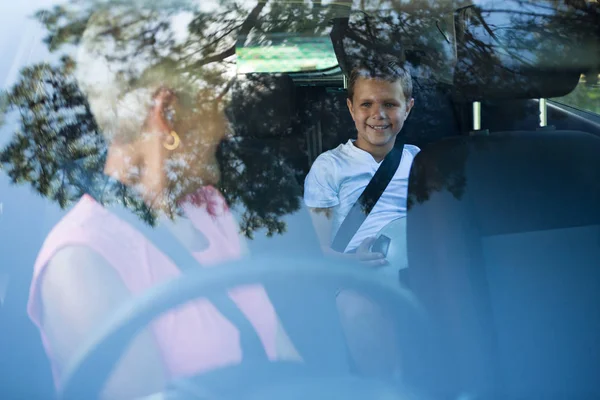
(322, 222)
(321, 196)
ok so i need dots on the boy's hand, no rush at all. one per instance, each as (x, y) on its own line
(365, 256)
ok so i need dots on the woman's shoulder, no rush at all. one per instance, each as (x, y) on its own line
(96, 231)
(87, 224)
(91, 239)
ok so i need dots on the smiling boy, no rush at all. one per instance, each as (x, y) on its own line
(379, 101)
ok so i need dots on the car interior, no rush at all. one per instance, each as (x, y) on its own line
(503, 220)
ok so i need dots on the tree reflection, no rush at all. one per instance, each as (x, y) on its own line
(263, 165)
(60, 152)
(419, 34)
(514, 49)
(586, 96)
(524, 48)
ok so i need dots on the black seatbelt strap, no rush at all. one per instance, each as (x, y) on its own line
(367, 200)
(164, 240)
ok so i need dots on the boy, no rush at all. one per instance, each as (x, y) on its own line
(379, 101)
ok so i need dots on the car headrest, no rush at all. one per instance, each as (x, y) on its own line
(518, 49)
(419, 37)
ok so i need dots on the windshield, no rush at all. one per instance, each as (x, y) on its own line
(243, 131)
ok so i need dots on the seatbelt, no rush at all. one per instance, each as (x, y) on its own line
(367, 200)
(164, 240)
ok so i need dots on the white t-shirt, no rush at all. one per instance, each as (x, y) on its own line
(339, 176)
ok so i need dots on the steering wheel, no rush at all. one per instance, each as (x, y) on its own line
(91, 369)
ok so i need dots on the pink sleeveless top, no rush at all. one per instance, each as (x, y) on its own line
(193, 338)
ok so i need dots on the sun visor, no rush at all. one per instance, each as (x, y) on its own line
(517, 49)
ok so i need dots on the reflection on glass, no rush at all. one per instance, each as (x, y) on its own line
(422, 37)
(60, 150)
(586, 95)
(524, 49)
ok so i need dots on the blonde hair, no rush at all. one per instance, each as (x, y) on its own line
(120, 87)
(385, 70)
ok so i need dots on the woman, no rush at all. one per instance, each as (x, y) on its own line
(163, 129)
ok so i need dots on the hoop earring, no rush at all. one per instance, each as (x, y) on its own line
(176, 142)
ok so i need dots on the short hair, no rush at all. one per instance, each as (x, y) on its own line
(120, 88)
(388, 71)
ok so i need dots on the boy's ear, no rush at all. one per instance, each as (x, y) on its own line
(349, 104)
(409, 105)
